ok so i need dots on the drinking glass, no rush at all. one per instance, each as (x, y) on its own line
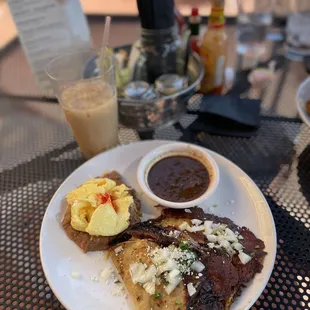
(89, 104)
(253, 23)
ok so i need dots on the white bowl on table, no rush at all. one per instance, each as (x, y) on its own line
(178, 149)
(303, 95)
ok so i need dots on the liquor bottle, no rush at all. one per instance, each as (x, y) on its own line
(213, 50)
(194, 26)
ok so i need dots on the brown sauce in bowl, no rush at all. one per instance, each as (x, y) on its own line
(178, 179)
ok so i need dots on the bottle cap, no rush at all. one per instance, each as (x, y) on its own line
(195, 12)
(156, 14)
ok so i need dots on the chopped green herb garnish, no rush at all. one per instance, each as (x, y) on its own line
(215, 205)
(157, 295)
(179, 303)
(165, 281)
(184, 246)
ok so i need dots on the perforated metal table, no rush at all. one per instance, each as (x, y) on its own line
(38, 152)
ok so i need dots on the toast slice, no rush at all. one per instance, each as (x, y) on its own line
(138, 250)
(93, 243)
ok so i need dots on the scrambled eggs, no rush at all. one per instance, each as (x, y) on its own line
(100, 207)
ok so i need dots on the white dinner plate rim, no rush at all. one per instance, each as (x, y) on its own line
(160, 142)
(299, 100)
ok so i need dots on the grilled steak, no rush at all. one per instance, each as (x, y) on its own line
(224, 275)
(92, 243)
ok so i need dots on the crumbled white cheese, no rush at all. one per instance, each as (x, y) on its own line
(191, 289)
(244, 258)
(75, 275)
(231, 238)
(170, 257)
(198, 266)
(118, 249)
(172, 274)
(225, 244)
(150, 287)
(218, 235)
(169, 265)
(211, 245)
(175, 233)
(94, 278)
(118, 290)
(139, 273)
(160, 255)
(220, 238)
(106, 273)
(229, 232)
(212, 238)
(197, 228)
(237, 246)
(218, 228)
(188, 211)
(185, 226)
(196, 222)
(208, 227)
(169, 288)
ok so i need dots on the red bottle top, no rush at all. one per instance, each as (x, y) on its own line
(195, 12)
(194, 26)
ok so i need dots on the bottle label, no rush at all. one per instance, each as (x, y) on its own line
(217, 18)
(219, 71)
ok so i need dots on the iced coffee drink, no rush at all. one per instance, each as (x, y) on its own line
(89, 101)
(91, 110)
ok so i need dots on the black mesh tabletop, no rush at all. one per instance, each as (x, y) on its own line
(278, 160)
(37, 152)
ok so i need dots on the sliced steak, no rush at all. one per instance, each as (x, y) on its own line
(194, 213)
(224, 276)
(205, 299)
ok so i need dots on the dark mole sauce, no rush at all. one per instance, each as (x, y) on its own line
(178, 179)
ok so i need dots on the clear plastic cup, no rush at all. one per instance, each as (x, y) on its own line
(253, 24)
(90, 105)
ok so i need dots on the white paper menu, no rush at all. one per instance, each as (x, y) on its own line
(48, 28)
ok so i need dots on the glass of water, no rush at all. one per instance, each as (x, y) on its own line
(253, 23)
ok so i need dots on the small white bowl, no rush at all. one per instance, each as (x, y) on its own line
(175, 149)
(303, 95)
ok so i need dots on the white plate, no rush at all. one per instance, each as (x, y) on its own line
(303, 95)
(236, 197)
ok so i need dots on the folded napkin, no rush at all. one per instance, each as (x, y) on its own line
(227, 116)
(307, 64)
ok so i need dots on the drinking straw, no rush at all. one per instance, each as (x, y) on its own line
(104, 43)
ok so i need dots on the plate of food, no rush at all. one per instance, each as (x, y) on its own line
(303, 101)
(158, 225)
